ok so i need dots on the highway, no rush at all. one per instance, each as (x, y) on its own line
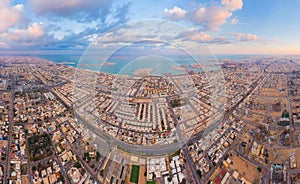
(137, 149)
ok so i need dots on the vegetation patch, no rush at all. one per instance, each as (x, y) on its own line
(134, 176)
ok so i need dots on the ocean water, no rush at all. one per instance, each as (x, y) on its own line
(72, 59)
(128, 61)
(128, 65)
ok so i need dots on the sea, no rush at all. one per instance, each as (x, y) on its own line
(160, 65)
(129, 65)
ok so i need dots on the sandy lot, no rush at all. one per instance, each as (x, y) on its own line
(244, 168)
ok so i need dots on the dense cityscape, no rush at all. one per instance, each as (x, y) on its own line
(150, 129)
(149, 92)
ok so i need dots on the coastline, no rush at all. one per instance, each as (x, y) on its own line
(143, 71)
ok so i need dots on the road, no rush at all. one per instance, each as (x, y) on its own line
(75, 151)
(137, 149)
(191, 166)
(11, 122)
(227, 114)
(154, 149)
(56, 156)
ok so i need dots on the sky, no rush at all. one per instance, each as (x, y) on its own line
(224, 26)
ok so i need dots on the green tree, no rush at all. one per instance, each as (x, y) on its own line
(258, 169)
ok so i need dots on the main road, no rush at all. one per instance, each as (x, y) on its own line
(11, 122)
(137, 149)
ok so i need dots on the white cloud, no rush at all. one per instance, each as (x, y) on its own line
(201, 37)
(211, 18)
(34, 31)
(12, 31)
(233, 4)
(234, 20)
(204, 37)
(9, 15)
(247, 37)
(3, 45)
(112, 37)
(175, 13)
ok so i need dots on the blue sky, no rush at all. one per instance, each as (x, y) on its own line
(225, 26)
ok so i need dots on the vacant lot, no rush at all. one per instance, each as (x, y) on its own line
(245, 168)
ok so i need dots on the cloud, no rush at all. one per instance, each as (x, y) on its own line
(122, 36)
(9, 15)
(61, 32)
(15, 29)
(202, 37)
(3, 45)
(148, 31)
(33, 35)
(196, 35)
(210, 18)
(113, 37)
(118, 15)
(233, 4)
(247, 37)
(67, 8)
(207, 38)
(34, 31)
(175, 13)
(234, 20)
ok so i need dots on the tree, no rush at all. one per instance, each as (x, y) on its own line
(183, 181)
(97, 156)
(77, 164)
(199, 173)
(102, 172)
(258, 169)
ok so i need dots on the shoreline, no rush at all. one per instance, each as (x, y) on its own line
(137, 72)
(143, 71)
